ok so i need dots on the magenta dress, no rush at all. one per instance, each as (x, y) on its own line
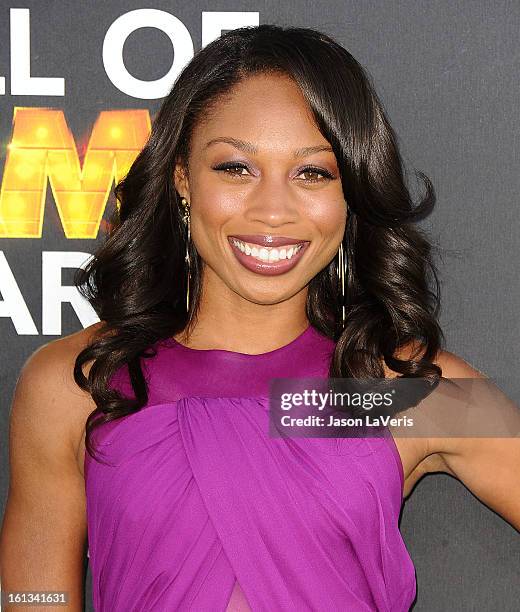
(203, 510)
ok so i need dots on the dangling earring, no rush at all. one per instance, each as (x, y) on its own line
(186, 220)
(341, 268)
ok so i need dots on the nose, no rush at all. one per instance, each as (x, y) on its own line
(272, 204)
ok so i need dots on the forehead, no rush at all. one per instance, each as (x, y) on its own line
(267, 109)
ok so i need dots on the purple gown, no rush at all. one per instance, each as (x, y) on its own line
(202, 510)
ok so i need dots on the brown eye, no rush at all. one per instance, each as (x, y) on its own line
(226, 167)
(316, 171)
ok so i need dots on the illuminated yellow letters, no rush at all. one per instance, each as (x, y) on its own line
(43, 146)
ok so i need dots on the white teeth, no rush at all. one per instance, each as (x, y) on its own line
(267, 254)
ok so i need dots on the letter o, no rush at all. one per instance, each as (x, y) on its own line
(116, 36)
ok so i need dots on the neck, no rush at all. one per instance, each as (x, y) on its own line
(234, 323)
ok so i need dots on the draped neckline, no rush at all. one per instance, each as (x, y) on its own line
(280, 351)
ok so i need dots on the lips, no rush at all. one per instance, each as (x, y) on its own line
(262, 254)
(267, 240)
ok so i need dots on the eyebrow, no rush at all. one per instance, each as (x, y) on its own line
(248, 147)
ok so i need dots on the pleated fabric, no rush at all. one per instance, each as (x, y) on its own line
(201, 509)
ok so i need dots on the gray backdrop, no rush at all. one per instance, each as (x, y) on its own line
(447, 73)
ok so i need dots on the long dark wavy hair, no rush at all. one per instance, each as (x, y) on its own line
(136, 279)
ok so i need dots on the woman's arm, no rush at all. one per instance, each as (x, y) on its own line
(489, 467)
(43, 537)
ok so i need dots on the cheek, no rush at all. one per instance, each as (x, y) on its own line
(214, 203)
(329, 218)
(211, 214)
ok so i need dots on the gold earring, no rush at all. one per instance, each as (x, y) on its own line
(341, 268)
(187, 221)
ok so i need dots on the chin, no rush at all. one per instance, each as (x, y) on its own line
(268, 295)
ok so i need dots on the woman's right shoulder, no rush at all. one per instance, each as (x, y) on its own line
(47, 403)
(46, 423)
(50, 366)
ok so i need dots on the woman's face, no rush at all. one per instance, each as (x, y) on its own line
(272, 193)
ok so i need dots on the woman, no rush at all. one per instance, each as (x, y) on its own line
(265, 230)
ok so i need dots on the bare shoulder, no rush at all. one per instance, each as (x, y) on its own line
(487, 466)
(47, 400)
(48, 371)
(453, 366)
(45, 425)
(420, 456)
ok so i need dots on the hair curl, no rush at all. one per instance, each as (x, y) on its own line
(136, 279)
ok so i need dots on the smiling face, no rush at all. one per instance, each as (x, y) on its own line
(260, 174)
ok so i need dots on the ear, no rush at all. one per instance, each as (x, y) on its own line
(180, 179)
